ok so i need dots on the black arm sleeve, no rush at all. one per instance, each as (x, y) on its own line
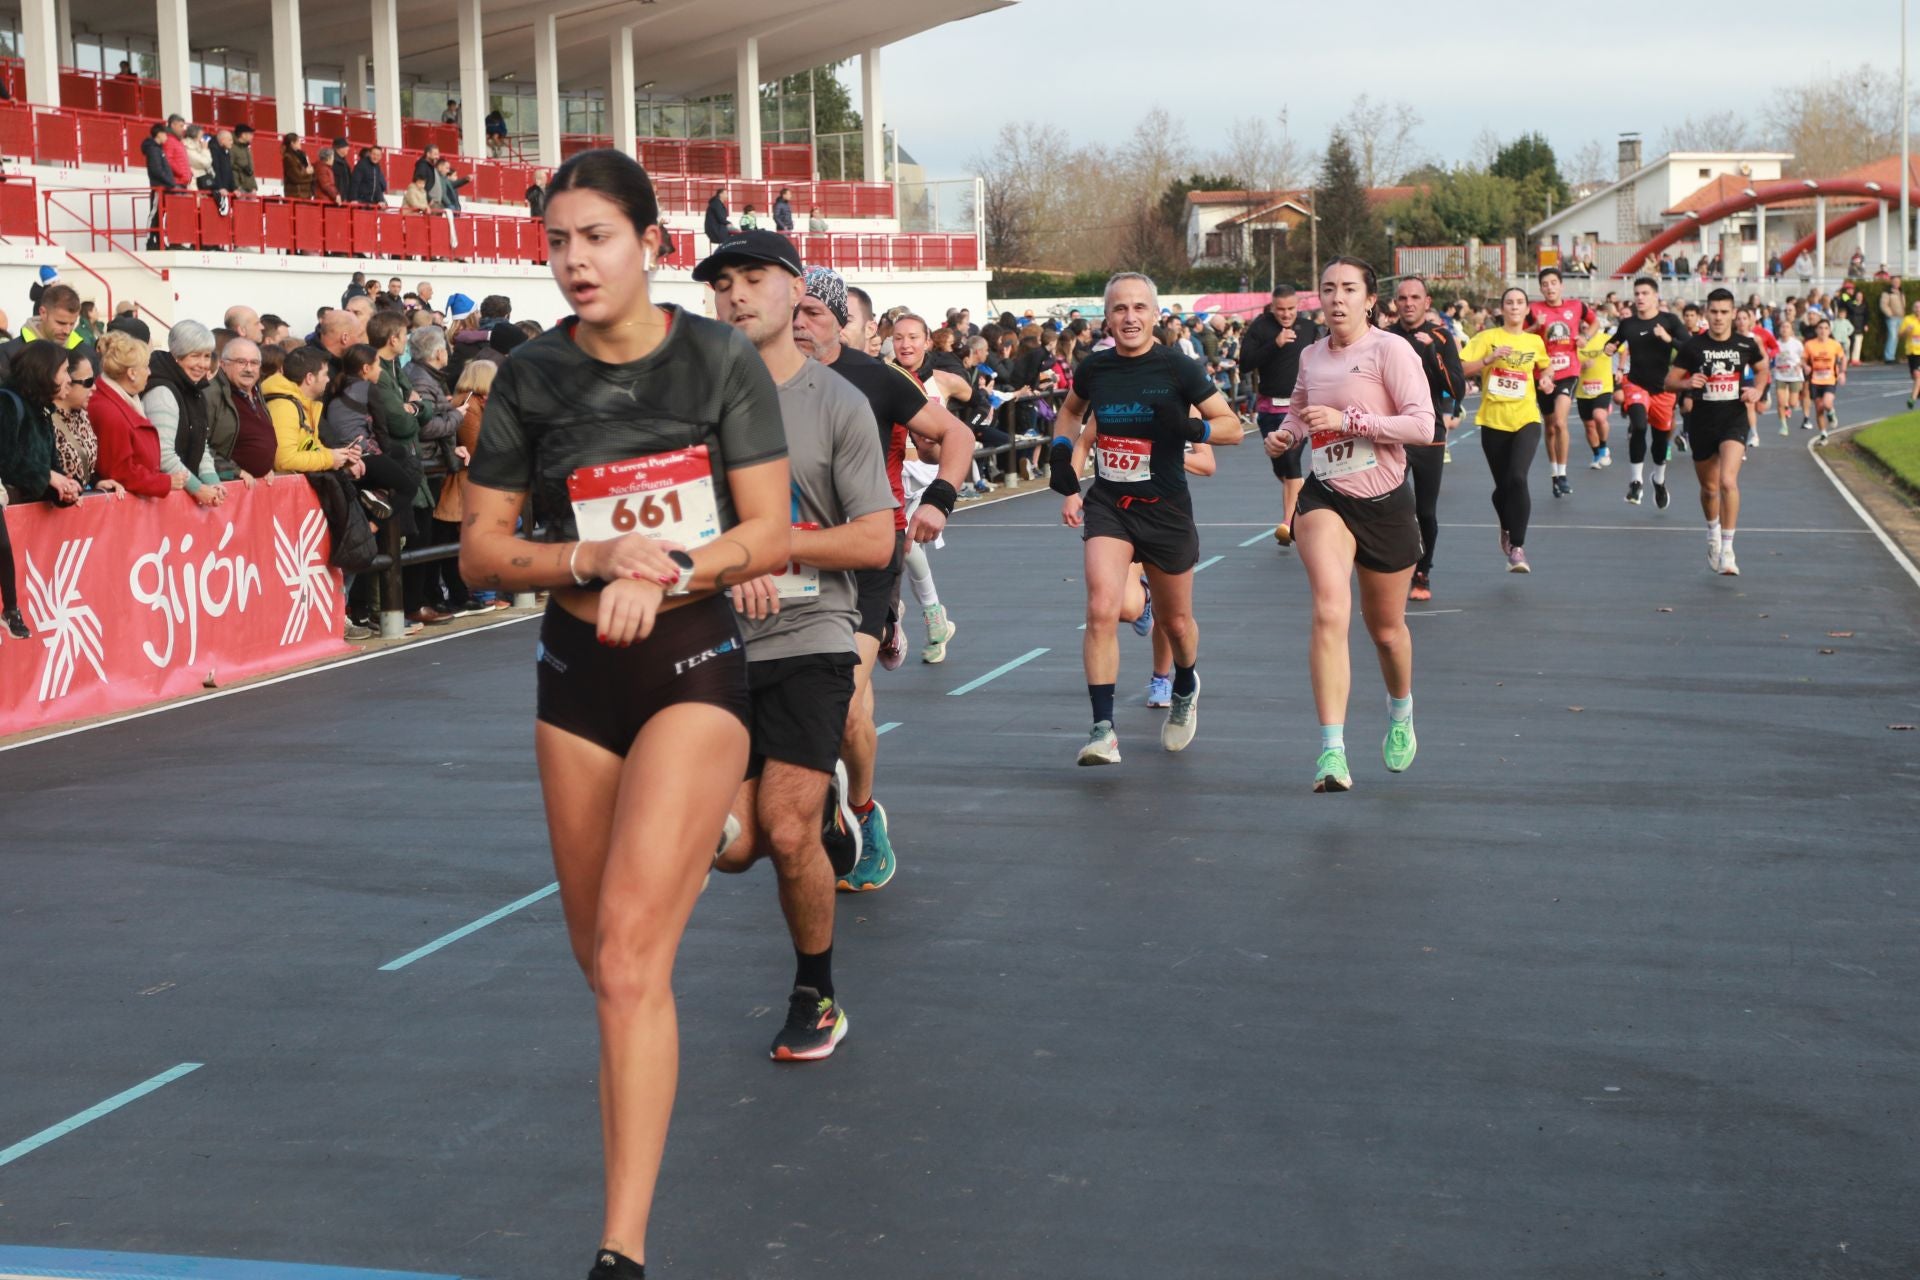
(1450, 367)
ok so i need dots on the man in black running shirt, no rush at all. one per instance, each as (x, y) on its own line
(1710, 366)
(1270, 353)
(1651, 336)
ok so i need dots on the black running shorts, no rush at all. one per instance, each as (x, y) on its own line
(1589, 407)
(1161, 532)
(607, 695)
(1913, 364)
(1567, 387)
(1705, 440)
(878, 590)
(1386, 529)
(799, 709)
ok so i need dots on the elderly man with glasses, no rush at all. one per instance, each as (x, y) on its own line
(240, 429)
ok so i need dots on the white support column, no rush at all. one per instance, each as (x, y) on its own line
(386, 72)
(1819, 238)
(39, 47)
(175, 58)
(1760, 237)
(357, 88)
(746, 107)
(1883, 233)
(871, 137)
(289, 68)
(63, 14)
(546, 87)
(474, 100)
(620, 96)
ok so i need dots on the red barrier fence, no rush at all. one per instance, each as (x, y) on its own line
(134, 600)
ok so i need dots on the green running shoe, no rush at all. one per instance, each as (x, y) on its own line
(876, 865)
(1330, 771)
(1399, 745)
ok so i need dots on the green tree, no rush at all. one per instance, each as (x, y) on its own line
(1347, 224)
(833, 110)
(1529, 162)
(1457, 206)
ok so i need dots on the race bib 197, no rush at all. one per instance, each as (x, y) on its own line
(1123, 459)
(1335, 454)
(668, 496)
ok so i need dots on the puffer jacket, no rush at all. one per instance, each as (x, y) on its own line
(440, 424)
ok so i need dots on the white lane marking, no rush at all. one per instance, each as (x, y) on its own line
(1208, 563)
(1255, 538)
(412, 646)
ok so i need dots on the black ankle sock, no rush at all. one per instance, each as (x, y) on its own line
(814, 971)
(1184, 680)
(1102, 696)
(608, 1265)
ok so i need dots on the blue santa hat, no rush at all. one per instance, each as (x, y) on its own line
(48, 275)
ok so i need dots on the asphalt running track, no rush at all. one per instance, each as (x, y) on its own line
(1618, 981)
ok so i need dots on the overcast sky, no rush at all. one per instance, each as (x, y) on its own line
(949, 90)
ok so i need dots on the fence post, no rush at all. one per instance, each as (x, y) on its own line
(393, 609)
(523, 599)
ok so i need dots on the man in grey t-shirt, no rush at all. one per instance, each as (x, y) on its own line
(799, 627)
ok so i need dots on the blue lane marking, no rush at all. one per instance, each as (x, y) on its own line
(996, 673)
(1256, 538)
(118, 1100)
(888, 727)
(466, 929)
(100, 1264)
(1208, 562)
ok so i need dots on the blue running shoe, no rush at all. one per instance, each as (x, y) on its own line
(1159, 691)
(1144, 623)
(876, 865)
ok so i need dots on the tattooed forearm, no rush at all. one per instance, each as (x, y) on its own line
(473, 518)
(522, 562)
(738, 558)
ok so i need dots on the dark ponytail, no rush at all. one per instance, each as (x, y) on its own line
(352, 365)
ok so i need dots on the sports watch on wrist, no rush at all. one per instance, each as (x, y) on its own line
(684, 583)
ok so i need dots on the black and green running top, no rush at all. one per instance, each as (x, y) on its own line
(1141, 406)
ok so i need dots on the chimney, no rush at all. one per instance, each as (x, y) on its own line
(1629, 154)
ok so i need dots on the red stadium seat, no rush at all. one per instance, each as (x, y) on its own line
(309, 227)
(56, 137)
(439, 237)
(216, 228)
(248, 217)
(337, 228)
(277, 226)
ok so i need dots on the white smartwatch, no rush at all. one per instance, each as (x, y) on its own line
(684, 582)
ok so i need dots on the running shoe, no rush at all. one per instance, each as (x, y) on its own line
(1103, 746)
(15, 624)
(940, 629)
(1566, 486)
(1330, 771)
(1660, 496)
(1159, 691)
(1713, 550)
(893, 649)
(1144, 623)
(1753, 438)
(815, 1024)
(1183, 720)
(1283, 535)
(1599, 462)
(1634, 490)
(1820, 439)
(1728, 565)
(840, 825)
(1506, 545)
(1421, 589)
(1517, 561)
(1680, 442)
(1446, 453)
(1785, 430)
(876, 864)
(1909, 402)
(1806, 424)
(1606, 455)
(1399, 746)
(1560, 489)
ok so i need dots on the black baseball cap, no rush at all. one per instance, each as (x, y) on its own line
(750, 246)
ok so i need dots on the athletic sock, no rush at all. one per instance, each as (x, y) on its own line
(1713, 529)
(1659, 473)
(608, 1265)
(1333, 737)
(920, 577)
(1102, 696)
(1163, 675)
(1559, 468)
(1184, 680)
(1726, 539)
(1639, 471)
(814, 971)
(1400, 708)
(862, 810)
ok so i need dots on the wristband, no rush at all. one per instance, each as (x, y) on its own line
(940, 496)
(573, 565)
(1194, 429)
(1060, 474)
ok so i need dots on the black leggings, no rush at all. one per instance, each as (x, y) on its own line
(1426, 462)
(9, 590)
(1637, 437)
(1509, 454)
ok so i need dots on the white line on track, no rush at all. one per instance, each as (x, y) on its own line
(413, 646)
(1208, 563)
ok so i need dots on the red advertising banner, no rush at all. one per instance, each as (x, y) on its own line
(134, 600)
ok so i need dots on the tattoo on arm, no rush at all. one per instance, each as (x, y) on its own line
(473, 518)
(523, 562)
(736, 571)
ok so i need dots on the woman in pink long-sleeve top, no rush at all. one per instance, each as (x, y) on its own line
(1361, 398)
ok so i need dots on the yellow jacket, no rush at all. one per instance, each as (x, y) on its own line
(296, 428)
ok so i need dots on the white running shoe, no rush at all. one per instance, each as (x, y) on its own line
(1182, 721)
(1728, 566)
(1713, 552)
(1103, 746)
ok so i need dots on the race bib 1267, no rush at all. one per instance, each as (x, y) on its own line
(1123, 459)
